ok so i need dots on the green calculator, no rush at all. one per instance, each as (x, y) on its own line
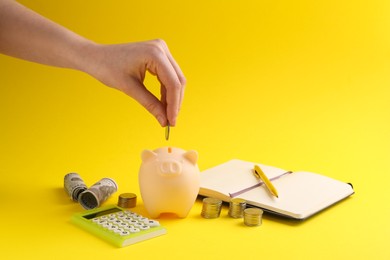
(118, 226)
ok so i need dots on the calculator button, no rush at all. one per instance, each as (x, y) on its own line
(128, 228)
(113, 227)
(101, 222)
(129, 213)
(107, 225)
(118, 230)
(118, 222)
(133, 221)
(127, 219)
(124, 233)
(111, 219)
(103, 217)
(137, 225)
(96, 220)
(144, 227)
(134, 230)
(152, 223)
(123, 224)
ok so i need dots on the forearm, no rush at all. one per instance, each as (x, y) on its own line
(27, 35)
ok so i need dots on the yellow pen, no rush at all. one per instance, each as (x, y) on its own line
(260, 174)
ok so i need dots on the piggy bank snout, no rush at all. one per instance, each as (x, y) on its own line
(170, 168)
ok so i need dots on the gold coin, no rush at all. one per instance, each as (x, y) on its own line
(167, 130)
(253, 217)
(127, 200)
(211, 208)
(237, 207)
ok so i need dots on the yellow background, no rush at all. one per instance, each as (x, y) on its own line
(302, 85)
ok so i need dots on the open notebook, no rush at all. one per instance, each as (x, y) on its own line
(301, 194)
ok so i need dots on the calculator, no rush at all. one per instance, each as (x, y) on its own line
(119, 226)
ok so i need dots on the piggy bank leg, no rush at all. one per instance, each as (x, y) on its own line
(183, 213)
(153, 213)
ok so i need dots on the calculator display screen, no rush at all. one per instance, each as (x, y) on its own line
(101, 213)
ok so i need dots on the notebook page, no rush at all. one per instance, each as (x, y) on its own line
(301, 194)
(233, 176)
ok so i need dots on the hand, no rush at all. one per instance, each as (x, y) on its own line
(124, 67)
(27, 35)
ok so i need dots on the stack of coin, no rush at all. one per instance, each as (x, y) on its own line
(127, 200)
(253, 217)
(236, 207)
(211, 208)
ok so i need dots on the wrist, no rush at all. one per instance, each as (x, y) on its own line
(86, 57)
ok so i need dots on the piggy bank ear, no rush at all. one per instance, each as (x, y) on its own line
(148, 155)
(192, 156)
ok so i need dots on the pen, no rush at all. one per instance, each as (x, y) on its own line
(260, 174)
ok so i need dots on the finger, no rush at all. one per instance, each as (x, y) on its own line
(168, 78)
(171, 98)
(177, 69)
(173, 63)
(163, 93)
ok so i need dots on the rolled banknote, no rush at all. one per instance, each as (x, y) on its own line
(98, 193)
(74, 185)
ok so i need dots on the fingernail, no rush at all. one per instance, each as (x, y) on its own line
(161, 120)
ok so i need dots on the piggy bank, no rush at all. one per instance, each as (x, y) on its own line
(169, 181)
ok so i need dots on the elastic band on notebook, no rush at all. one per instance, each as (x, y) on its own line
(235, 194)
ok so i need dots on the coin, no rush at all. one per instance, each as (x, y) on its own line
(237, 207)
(127, 200)
(211, 208)
(253, 217)
(167, 130)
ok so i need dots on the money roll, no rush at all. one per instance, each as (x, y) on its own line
(74, 185)
(98, 193)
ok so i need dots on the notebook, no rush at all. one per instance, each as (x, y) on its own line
(300, 194)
